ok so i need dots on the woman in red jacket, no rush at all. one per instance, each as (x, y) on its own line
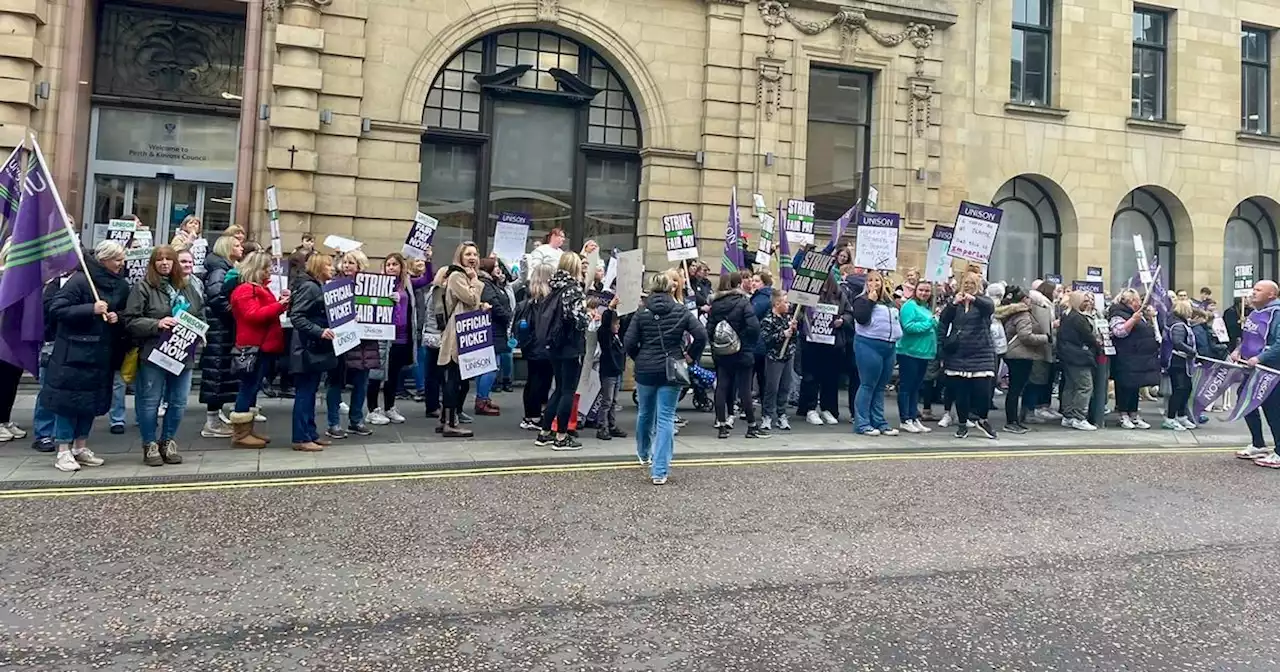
(259, 337)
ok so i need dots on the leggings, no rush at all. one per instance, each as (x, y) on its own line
(560, 405)
(733, 378)
(1019, 397)
(10, 375)
(973, 397)
(537, 388)
(455, 389)
(400, 356)
(1176, 404)
(1126, 399)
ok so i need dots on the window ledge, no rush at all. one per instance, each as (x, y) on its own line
(1262, 138)
(1036, 110)
(1155, 125)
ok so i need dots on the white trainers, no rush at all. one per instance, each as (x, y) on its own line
(161, 411)
(394, 415)
(344, 408)
(1066, 422)
(1170, 423)
(223, 417)
(216, 430)
(1253, 452)
(813, 418)
(1186, 422)
(1127, 422)
(945, 421)
(910, 427)
(1271, 461)
(924, 429)
(1083, 425)
(259, 417)
(377, 417)
(5, 434)
(1139, 422)
(766, 424)
(1045, 415)
(16, 431)
(870, 431)
(65, 462)
(87, 458)
(889, 432)
(784, 424)
(828, 418)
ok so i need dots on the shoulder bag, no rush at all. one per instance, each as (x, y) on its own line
(677, 369)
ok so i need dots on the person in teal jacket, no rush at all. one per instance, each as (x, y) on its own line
(917, 347)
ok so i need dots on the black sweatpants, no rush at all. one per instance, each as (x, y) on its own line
(733, 379)
(400, 356)
(565, 371)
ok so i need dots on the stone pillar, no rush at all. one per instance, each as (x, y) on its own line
(21, 52)
(296, 80)
(342, 63)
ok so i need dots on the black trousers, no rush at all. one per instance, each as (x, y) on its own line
(565, 371)
(850, 367)
(538, 387)
(400, 356)
(758, 370)
(455, 389)
(434, 380)
(973, 397)
(733, 379)
(1017, 400)
(10, 376)
(1126, 399)
(1270, 407)
(820, 382)
(1176, 404)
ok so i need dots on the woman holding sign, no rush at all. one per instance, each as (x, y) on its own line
(188, 233)
(462, 288)
(403, 349)
(968, 356)
(310, 350)
(166, 350)
(259, 341)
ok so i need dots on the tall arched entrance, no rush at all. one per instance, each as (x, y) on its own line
(533, 122)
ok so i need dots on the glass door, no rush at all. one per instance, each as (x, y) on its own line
(160, 204)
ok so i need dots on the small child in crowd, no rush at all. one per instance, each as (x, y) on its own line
(778, 329)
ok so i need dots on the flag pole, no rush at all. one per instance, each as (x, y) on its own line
(66, 221)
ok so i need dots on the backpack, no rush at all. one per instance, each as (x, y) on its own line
(725, 341)
(523, 323)
(544, 330)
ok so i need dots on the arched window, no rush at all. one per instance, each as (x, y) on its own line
(531, 122)
(1141, 213)
(1027, 243)
(1250, 238)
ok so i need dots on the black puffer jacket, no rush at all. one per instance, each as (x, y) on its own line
(967, 347)
(308, 352)
(499, 312)
(734, 306)
(1137, 359)
(657, 330)
(218, 385)
(1078, 341)
(87, 351)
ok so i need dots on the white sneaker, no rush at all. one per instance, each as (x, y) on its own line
(5, 434)
(1186, 422)
(1083, 425)
(729, 423)
(161, 411)
(924, 429)
(1044, 415)
(87, 458)
(394, 415)
(65, 462)
(259, 417)
(766, 424)
(216, 430)
(813, 418)
(784, 424)
(829, 419)
(344, 408)
(1170, 423)
(1066, 422)
(1139, 422)
(377, 417)
(223, 417)
(870, 431)
(889, 432)
(16, 431)
(1127, 422)
(1253, 452)
(970, 424)
(1271, 461)
(945, 421)
(910, 427)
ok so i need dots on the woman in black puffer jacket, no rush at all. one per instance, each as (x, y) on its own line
(218, 384)
(731, 307)
(968, 356)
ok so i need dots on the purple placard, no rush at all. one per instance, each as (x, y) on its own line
(514, 218)
(475, 343)
(941, 232)
(340, 301)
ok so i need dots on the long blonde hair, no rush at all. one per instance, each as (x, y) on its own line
(571, 263)
(539, 284)
(254, 266)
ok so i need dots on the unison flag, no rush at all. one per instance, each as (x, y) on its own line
(842, 224)
(39, 246)
(1210, 379)
(1257, 386)
(732, 260)
(786, 272)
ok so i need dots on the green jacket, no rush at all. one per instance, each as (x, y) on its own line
(919, 331)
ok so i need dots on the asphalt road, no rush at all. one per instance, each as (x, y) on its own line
(1064, 563)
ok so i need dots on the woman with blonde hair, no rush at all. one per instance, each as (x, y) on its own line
(353, 368)
(187, 234)
(1078, 351)
(259, 342)
(462, 289)
(968, 354)
(1180, 367)
(565, 344)
(151, 312)
(219, 385)
(311, 350)
(401, 351)
(537, 388)
(1136, 363)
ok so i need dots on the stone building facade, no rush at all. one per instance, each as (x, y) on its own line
(1086, 121)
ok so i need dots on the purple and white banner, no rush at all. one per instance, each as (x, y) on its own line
(177, 346)
(1257, 386)
(340, 305)
(475, 344)
(1212, 378)
(975, 232)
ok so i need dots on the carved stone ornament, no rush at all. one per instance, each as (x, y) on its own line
(851, 22)
(271, 9)
(769, 85)
(549, 10)
(920, 107)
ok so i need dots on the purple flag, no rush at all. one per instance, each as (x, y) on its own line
(1257, 386)
(1210, 380)
(9, 193)
(842, 224)
(786, 273)
(732, 260)
(40, 247)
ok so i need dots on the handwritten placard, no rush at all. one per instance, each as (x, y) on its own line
(877, 241)
(511, 235)
(937, 265)
(975, 232)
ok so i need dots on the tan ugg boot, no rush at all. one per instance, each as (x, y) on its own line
(253, 428)
(242, 426)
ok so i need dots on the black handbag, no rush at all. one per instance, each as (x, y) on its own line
(677, 369)
(244, 359)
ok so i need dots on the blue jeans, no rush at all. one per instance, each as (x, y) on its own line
(152, 386)
(359, 381)
(420, 370)
(911, 372)
(484, 386)
(874, 359)
(656, 425)
(251, 384)
(116, 416)
(305, 387)
(68, 428)
(506, 367)
(44, 419)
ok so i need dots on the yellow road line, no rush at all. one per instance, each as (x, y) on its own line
(535, 469)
